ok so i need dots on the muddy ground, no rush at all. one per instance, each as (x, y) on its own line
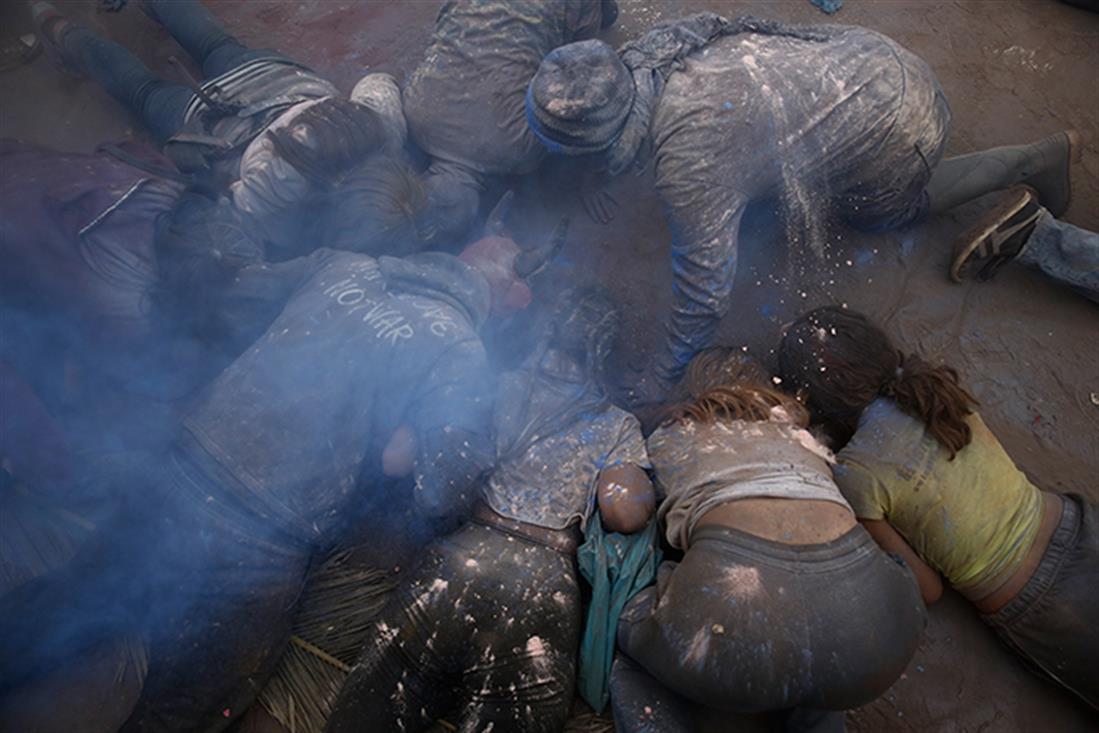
(1013, 70)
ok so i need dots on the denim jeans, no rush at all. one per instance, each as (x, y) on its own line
(159, 103)
(1066, 253)
(1050, 623)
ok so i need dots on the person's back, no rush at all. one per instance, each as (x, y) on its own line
(893, 466)
(361, 347)
(787, 112)
(464, 103)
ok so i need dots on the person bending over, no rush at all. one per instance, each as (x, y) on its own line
(731, 112)
(931, 483)
(271, 130)
(489, 623)
(1019, 229)
(273, 462)
(464, 102)
(782, 602)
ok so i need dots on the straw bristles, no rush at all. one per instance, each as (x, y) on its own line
(331, 624)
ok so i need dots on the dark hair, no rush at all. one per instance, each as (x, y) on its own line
(840, 362)
(200, 246)
(586, 323)
(374, 209)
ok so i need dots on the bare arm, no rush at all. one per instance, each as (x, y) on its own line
(931, 585)
(626, 498)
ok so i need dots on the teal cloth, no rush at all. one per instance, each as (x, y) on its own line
(617, 566)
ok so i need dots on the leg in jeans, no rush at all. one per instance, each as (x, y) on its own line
(201, 35)
(1064, 252)
(159, 103)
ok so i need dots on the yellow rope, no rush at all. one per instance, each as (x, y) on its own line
(320, 653)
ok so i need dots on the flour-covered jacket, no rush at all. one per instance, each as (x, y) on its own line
(829, 118)
(554, 436)
(296, 426)
(464, 102)
(271, 93)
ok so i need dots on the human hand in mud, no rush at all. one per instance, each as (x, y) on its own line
(399, 456)
(599, 205)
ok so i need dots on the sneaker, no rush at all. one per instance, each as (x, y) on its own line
(998, 238)
(50, 24)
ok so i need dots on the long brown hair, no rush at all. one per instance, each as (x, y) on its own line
(840, 362)
(724, 385)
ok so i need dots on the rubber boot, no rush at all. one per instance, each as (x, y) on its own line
(1044, 166)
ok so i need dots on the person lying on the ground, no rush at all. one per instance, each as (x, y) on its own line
(265, 126)
(735, 111)
(273, 459)
(769, 609)
(464, 102)
(1020, 230)
(89, 246)
(931, 483)
(489, 622)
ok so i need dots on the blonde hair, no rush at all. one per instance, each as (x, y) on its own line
(725, 385)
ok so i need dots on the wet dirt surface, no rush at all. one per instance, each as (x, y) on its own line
(1013, 70)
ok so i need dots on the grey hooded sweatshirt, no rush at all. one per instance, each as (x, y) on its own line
(362, 347)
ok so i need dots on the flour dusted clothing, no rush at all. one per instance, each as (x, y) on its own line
(551, 481)
(464, 102)
(700, 466)
(854, 122)
(973, 518)
(362, 347)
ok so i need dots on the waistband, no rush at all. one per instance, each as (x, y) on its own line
(851, 547)
(565, 541)
(1061, 544)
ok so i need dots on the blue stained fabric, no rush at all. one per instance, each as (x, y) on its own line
(828, 6)
(618, 567)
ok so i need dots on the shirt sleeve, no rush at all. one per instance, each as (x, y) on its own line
(630, 446)
(863, 491)
(453, 425)
(704, 218)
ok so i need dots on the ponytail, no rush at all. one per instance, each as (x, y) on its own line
(935, 396)
(839, 362)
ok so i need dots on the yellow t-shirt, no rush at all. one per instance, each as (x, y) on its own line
(973, 518)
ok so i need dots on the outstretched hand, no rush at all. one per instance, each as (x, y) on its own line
(599, 205)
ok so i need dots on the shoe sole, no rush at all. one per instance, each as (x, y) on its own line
(976, 236)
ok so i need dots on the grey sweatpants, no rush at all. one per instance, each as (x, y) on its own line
(1051, 622)
(1066, 253)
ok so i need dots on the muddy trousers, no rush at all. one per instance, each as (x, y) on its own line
(487, 626)
(159, 103)
(1051, 622)
(1065, 253)
(213, 599)
(748, 625)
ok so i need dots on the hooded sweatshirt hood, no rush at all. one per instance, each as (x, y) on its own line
(443, 277)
